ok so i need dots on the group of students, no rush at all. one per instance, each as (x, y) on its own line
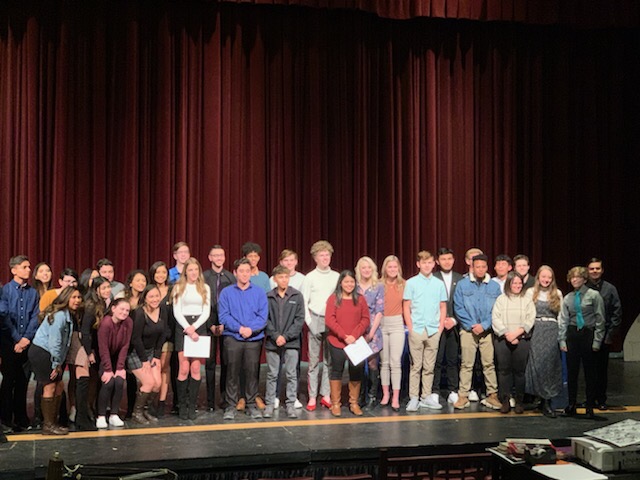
(142, 335)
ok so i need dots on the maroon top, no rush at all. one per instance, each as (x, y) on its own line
(113, 341)
(346, 319)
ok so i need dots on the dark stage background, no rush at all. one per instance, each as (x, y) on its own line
(382, 126)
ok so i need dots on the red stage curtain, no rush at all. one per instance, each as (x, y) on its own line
(128, 126)
(585, 13)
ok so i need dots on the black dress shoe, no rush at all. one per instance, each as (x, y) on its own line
(570, 411)
(589, 413)
(603, 406)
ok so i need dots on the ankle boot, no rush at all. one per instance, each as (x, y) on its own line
(181, 388)
(336, 393)
(547, 411)
(519, 408)
(372, 397)
(50, 414)
(354, 393)
(83, 422)
(194, 389)
(151, 412)
(506, 406)
(137, 415)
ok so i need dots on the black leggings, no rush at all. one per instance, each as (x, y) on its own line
(110, 396)
(338, 357)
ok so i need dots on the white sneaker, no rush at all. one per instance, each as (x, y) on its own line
(431, 401)
(413, 405)
(453, 397)
(512, 402)
(297, 404)
(115, 421)
(473, 396)
(101, 422)
(276, 404)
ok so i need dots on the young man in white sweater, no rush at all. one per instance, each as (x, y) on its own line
(318, 285)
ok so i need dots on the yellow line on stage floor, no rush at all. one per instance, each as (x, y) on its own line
(287, 423)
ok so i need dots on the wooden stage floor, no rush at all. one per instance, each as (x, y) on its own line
(209, 444)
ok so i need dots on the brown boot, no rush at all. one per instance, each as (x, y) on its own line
(354, 394)
(138, 408)
(58, 401)
(506, 407)
(49, 414)
(336, 393)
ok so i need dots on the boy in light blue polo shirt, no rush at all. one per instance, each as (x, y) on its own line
(424, 310)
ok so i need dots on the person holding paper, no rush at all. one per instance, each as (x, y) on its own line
(191, 308)
(347, 318)
(149, 332)
(114, 335)
(424, 311)
(243, 310)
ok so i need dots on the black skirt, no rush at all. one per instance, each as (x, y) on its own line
(179, 340)
(40, 360)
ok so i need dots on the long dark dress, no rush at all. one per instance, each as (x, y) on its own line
(543, 375)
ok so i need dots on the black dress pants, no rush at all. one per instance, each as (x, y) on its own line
(242, 357)
(580, 351)
(13, 391)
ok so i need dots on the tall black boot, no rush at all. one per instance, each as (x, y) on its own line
(63, 413)
(181, 389)
(194, 389)
(83, 422)
(132, 390)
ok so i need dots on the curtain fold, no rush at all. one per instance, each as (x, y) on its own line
(127, 127)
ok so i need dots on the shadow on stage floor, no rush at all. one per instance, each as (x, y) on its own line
(315, 442)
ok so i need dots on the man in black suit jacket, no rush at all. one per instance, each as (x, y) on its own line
(449, 348)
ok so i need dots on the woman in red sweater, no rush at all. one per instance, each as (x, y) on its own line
(114, 335)
(347, 318)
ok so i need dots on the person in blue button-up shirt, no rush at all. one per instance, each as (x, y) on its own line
(19, 320)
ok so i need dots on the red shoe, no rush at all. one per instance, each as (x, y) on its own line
(310, 407)
(325, 403)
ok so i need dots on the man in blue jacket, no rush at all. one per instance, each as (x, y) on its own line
(243, 310)
(473, 301)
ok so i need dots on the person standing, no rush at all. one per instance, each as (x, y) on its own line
(347, 319)
(218, 278)
(284, 326)
(19, 318)
(513, 316)
(543, 376)
(105, 269)
(424, 311)
(472, 303)
(581, 329)
(192, 309)
(449, 348)
(243, 311)
(372, 290)
(181, 253)
(613, 320)
(318, 285)
(393, 337)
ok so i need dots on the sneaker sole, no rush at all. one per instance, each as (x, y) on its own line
(461, 407)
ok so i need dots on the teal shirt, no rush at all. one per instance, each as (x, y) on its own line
(425, 294)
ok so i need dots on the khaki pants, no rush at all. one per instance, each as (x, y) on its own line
(469, 344)
(423, 350)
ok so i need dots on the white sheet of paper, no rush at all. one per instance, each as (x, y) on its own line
(358, 351)
(199, 349)
(569, 471)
